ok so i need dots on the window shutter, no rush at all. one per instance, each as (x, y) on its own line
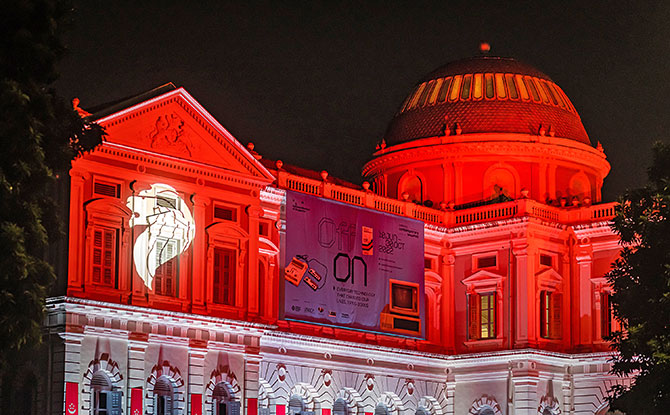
(473, 321)
(493, 303)
(606, 316)
(263, 411)
(543, 314)
(233, 408)
(168, 404)
(217, 276)
(97, 255)
(295, 405)
(340, 407)
(555, 312)
(114, 402)
(381, 409)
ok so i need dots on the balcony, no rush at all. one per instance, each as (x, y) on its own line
(448, 218)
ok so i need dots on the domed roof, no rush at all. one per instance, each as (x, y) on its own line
(485, 94)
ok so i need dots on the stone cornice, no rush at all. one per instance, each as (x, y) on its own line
(493, 145)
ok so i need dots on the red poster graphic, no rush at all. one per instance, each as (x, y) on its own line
(325, 411)
(252, 406)
(196, 404)
(136, 401)
(72, 398)
(281, 410)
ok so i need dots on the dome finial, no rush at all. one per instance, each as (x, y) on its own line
(484, 47)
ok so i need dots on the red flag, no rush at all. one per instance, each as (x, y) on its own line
(136, 401)
(72, 398)
(196, 404)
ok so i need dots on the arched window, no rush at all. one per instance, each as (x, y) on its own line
(340, 407)
(422, 411)
(223, 402)
(580, 186)
(501, 183)
(486, 410)
(381, 409)
(164, 396)
(296, 405)
(104, 400)
(413, 187)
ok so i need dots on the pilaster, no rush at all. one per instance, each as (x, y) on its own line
(525, 379)
(521, 297)
(198, 277)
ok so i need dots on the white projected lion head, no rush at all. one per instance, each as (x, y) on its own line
(169, 222)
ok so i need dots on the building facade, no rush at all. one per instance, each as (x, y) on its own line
(176, 292)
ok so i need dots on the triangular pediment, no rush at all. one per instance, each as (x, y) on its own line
(482, 277)
(176, 126)
(548, 278)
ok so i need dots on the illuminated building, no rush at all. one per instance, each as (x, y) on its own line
(181, 263)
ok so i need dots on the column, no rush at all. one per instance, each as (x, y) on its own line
(584, 264)
(447, 302)
(196, 373)
(567, 391)
(198, 277)
(525, 379)
(76, 231)
(252, 363)
(254, 213)
(136, 379)
(521, 297)
(451, 392)
(65, 368)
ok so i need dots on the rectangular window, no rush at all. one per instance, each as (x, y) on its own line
(264, 229)
(167, 258)
(224, 276)
(225, 213)
(166, 202)
(489, 261)
(546, 260)
(482, 316)
(606, 315)
(104, 253)
(108, 189)
(488, 316)
(428, 263)
(550, 314)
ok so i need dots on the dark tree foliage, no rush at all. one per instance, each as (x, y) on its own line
(641, 300)
(39, 136)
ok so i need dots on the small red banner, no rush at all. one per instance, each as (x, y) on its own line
(196, 404)
(325, 411)
(281, 410)
(252, 406)
(72, 398)
(136, 401)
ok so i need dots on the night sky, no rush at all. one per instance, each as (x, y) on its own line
(315, 83)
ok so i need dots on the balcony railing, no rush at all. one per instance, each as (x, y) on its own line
(448, 218)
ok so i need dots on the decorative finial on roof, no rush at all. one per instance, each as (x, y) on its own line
(75, 105)
(250, 146)
(484, 47)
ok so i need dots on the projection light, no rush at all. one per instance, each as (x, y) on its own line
(169, 228)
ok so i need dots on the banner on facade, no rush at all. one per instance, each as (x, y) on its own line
(196, 404)
(72, 398)
(136, 401)
(353, 267)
